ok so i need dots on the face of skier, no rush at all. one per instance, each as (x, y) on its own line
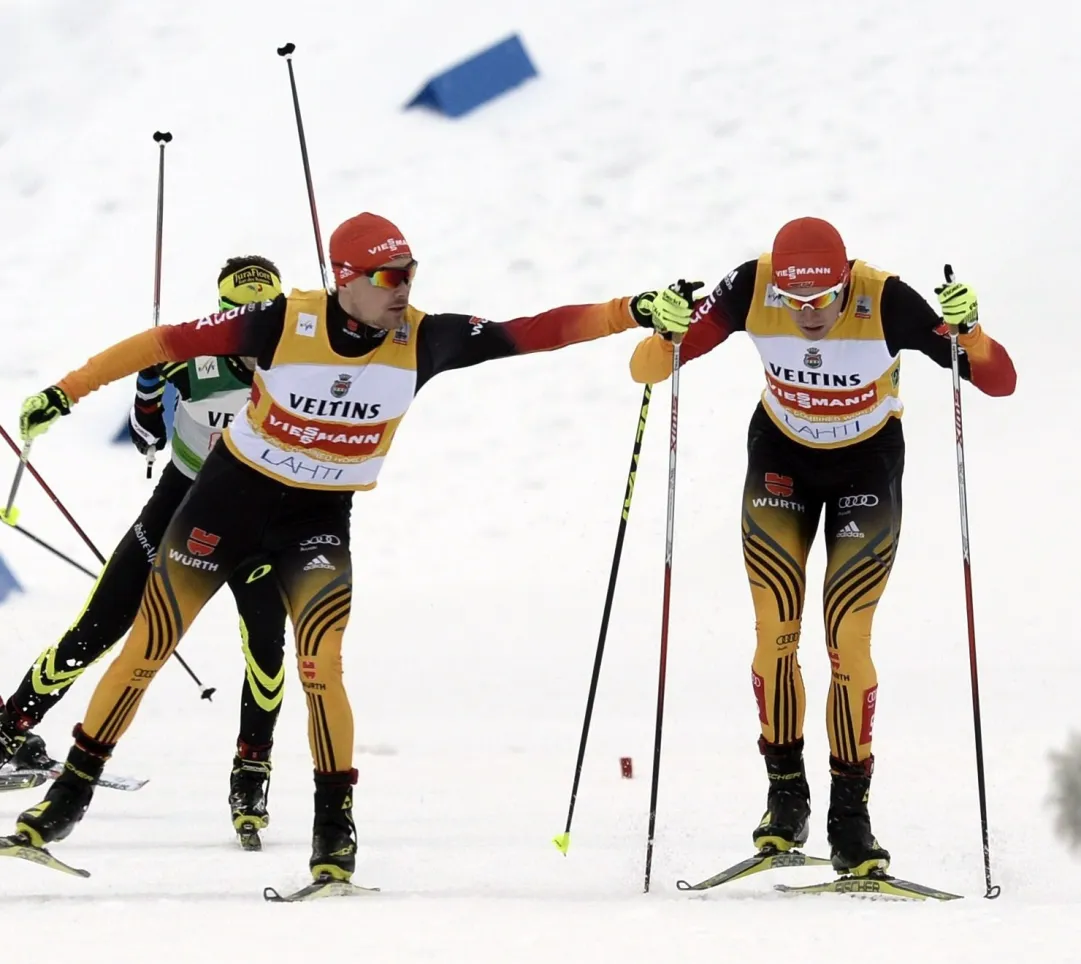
(379, 297)
(814, 310)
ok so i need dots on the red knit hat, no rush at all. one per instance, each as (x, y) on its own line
(809, 253)
(362, 243)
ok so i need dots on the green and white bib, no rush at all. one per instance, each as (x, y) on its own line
(217, 395)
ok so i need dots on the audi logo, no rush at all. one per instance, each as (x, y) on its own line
(856, 501)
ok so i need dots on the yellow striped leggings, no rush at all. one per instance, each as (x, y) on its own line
(231, 514)
(856, 492)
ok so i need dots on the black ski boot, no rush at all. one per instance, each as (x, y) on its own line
(854, 850)
(334, 836)
(69, 796)
(784, 825)
(249, 786)
(19, 748)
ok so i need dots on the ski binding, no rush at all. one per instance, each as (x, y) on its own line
(247, 835)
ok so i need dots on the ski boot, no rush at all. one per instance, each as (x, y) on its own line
(249, 785)
(69, 796)
(785, 824)
(19, 748)
(334, 836)
(854, 851)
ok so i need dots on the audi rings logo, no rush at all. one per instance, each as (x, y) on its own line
(327, 539)
(856, 501)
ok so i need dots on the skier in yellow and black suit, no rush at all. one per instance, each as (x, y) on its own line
(824, 442)
(211, 391)
(335, 376)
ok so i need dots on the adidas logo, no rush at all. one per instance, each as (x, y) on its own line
(321, 562)
(850, 531)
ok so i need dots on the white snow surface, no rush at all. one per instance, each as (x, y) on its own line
(660, 141)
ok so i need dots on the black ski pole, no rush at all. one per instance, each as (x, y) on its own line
(207, 691)
(992, 890)
(56, 552)
(161, 138)
(287, 52)
(563, 841)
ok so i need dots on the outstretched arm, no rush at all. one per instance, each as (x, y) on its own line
(248, 330)
(448, 341)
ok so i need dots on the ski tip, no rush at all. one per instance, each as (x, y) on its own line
(269, 893)
(128, 784)
(563, 843)
(10, 516)
(684, 885)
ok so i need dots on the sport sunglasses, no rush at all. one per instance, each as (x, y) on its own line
(386, 277)
(815, 302)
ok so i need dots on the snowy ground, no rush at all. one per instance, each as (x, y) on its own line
(659, 142)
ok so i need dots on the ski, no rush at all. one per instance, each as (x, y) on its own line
(9, 779)
(761, 861)
(317, 890)
(873, 886)
(113, 781)
(16, 780)
(248, 838)
(18, 846)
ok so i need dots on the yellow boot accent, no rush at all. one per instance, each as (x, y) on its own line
(777, 843)
(248, 822)
(330, 871)
(26, 830)
(864, 869)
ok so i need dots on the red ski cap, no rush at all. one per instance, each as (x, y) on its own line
(809, 253)
(362, 243)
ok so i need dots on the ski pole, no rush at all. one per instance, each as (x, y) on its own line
(563, 841)
(161, 138)
(992, 890)
(56, 552)
(287, 52)
(207, 691)
(665, 608)
(10, 515)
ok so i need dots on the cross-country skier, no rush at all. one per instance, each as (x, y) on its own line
(335, 375)
(211, 389)
(824, 442)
